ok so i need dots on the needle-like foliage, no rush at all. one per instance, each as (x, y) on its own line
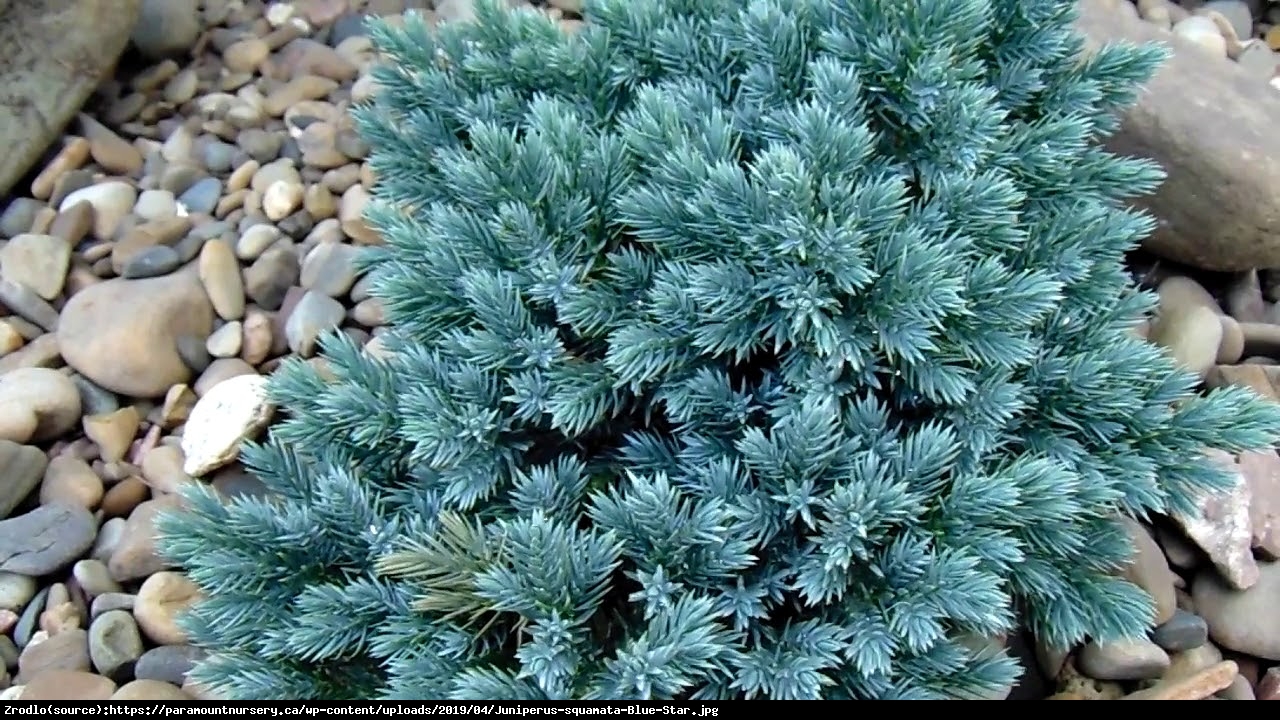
(741, 349)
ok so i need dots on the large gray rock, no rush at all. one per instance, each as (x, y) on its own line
(1212, 127)
(45, 540)
(53, 54)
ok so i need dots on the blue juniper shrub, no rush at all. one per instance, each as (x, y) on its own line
(769, 349)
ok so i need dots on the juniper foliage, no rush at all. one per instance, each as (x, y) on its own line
(776, 349)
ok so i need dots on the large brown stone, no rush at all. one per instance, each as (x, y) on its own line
(1213, 129)
(124, 334)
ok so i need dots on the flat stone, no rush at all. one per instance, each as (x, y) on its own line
(107, 602)
(38, 261)
(330, 269)
(1250, 376)
(151, 262)
(203, 196)
(113, 432)
(49, 396)
(69, 480)
(45, 540)
(112, 152)
(26, 626)
(26, 304)
(220, 274)
(111, 200)
(1269, 685)
(166, 28)
(269, 278)
(93, 577)
(1123, 660)
(1239, 689)
(1195, 687)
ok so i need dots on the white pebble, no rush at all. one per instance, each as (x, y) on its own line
(279, 14)
(282, 197)
(230, 412)
(1202, 32)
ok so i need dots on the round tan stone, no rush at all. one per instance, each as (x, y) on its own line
(124, 496)
(162, 598)
(48, 394)
(162, 469)
(220, 274)
(69, 480)
(123, 334)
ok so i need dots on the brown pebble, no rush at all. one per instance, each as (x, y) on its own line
(41, 352)
(242, 176)
(220, 274)
(108, 149)
(161, 231)
(246, 55)
(74, 154)
(69, 480)
(73, 224)
(1269, 685)
(177, 405)
(219, 370)
(1231, 347)
(113, 432)
(10, 338)
(162, 470)
(135, 556)
(1195, 687)
(124, 496)
(305, 87)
